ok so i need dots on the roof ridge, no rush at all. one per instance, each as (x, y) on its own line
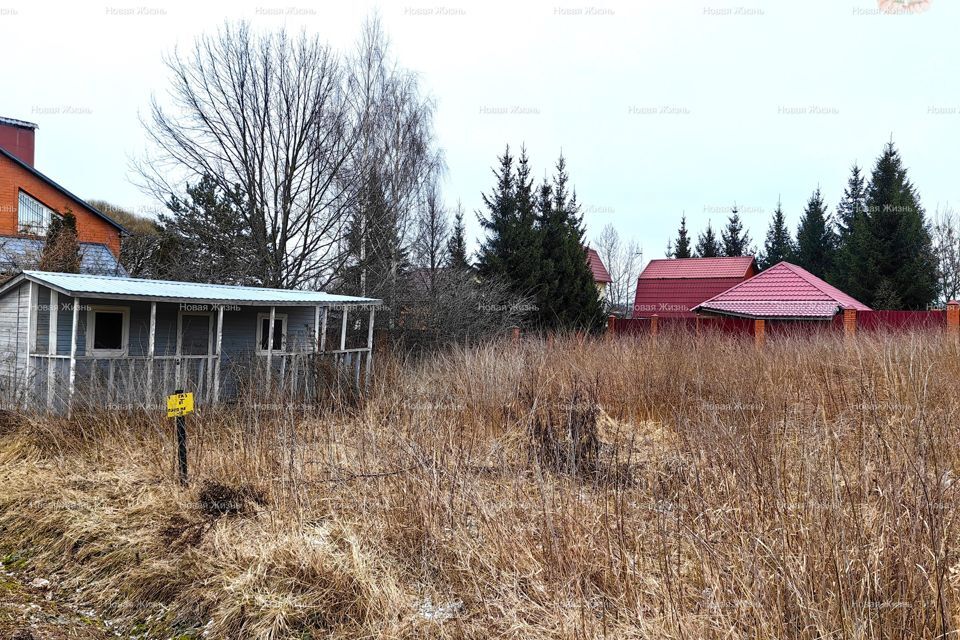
(51, 182)
(816, 282)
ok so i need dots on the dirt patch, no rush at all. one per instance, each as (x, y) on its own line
(217, 500)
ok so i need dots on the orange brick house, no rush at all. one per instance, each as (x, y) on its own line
(29, 200)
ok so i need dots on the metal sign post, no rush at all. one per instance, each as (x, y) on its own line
(178, 406)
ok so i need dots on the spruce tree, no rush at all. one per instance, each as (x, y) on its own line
(901, 250)
(568, 297)
(525, 270)
(457, 244)
(498, 221)
(511, 251)
(853, 204)
(681, 248)
(816, 240)
(778, 246)
(852, 271)
(736, 241)
(707, 244)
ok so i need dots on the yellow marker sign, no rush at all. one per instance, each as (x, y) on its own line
(179, 404)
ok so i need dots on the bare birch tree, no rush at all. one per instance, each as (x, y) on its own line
(946, 248)
(623, 263)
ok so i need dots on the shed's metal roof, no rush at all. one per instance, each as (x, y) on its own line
(92, 286)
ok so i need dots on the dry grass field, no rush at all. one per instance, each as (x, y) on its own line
(679, 488)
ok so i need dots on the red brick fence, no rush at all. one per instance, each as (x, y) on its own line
(849, 323)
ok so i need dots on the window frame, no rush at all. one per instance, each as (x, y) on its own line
(282, 319)
(34, 232)
(211, 331)
(124, 349)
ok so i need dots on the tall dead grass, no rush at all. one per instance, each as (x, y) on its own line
(683, 487)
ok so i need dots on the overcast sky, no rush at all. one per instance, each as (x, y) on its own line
(661, 107)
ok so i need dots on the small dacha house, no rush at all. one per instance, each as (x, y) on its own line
(672, 287)
(112, 341)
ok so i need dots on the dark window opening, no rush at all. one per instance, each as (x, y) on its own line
(108, 330)
(277, 334)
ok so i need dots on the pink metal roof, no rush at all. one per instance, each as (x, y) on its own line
(739, 267)
(600, 273)
(782, 291)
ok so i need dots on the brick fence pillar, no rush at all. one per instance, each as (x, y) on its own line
(953, 317)
(611, 326)
(516, 335)
(759, 331)
(849, 323)
(653, 325)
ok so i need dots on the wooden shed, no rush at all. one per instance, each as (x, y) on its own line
(129, 341)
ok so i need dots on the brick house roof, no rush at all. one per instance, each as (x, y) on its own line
(50, 182)
(783, 291)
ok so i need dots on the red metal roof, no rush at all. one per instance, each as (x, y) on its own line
(782, 291)
(740, 267)
(600, 273)
(676, 298)
(671, 288)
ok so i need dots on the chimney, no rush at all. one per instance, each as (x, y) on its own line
(16, 138)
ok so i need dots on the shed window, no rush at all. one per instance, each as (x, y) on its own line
(33, 217)
(107, 331)
(279, 332)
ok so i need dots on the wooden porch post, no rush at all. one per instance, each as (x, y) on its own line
(73, 352)
(369, 372)
(316, 329)
(151, 351)
(343, 329)
(273, 317)
(32, 308)
(52, 347)
(323, 330)
(217, 350)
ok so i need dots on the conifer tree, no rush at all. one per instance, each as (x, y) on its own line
(900, 255)
(778, 246)
(853, 204)
(852, 270)
(707, 244)
(457, 243)
(204, 237)
(736, 241)
(816, 240)
(497, 252)
(681, 248)
(568, 297)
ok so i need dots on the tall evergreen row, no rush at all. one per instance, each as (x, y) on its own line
(877, 247)
(535, 244)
